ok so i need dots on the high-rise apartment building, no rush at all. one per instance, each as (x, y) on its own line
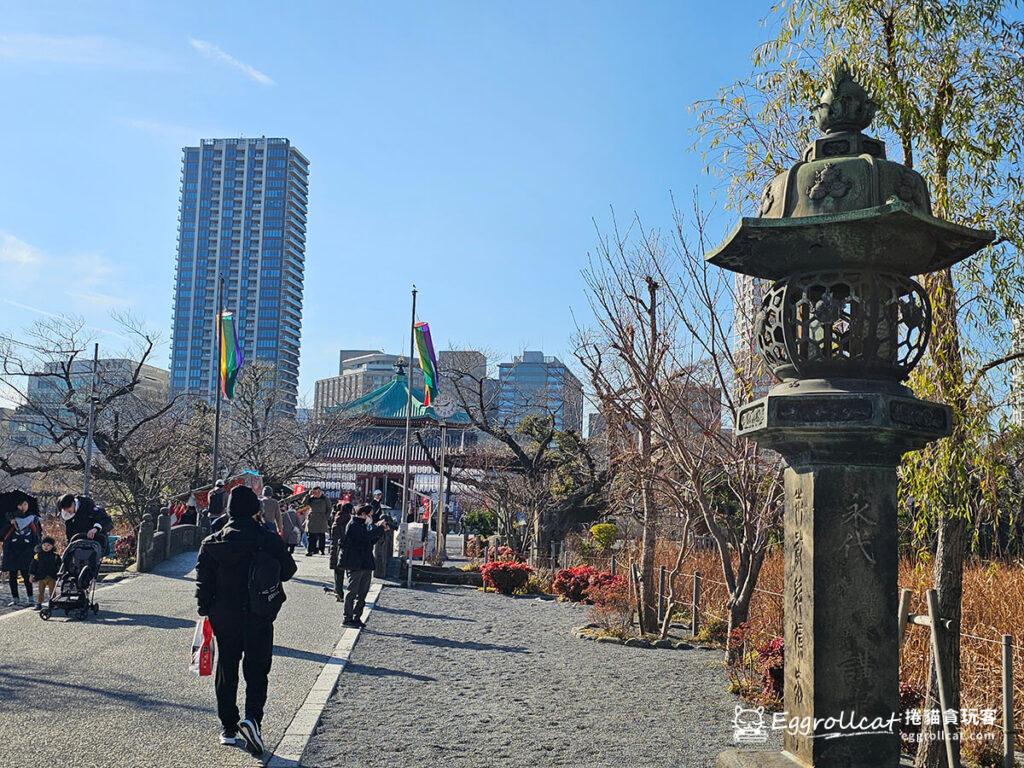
(532, 384)
(243, 221)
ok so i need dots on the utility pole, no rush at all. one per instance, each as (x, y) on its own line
(440, 543)
(86, 480)
(217, 364)
(406, 491)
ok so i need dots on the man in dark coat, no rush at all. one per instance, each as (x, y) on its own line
(82, 517)
(342, 514)
(222, 593)
(361, 534)
(215, 505)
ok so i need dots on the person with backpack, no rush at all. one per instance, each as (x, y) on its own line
(239, 579)
(19, 535)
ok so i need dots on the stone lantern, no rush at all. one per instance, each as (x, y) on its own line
(841, 235)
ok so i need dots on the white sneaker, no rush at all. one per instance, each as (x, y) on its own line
(250, 732)
(228, 738)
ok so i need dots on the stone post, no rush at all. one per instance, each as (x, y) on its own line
(163, 524)
(144, 545)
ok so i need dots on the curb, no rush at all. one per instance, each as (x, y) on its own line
(288, 752)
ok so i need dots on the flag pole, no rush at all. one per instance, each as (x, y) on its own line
(220, 352)
(406, 491)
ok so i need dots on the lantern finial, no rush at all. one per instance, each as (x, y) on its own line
(845, 105)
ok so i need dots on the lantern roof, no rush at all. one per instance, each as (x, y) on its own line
(845, 206)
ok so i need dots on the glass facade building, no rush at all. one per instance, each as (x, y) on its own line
(242, 219)
(533, 384)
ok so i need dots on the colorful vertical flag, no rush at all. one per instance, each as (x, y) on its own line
(230, 355)
(428, 362)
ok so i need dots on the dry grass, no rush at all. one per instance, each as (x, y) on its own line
(993, 606)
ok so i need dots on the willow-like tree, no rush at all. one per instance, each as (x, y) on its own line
(948, 78)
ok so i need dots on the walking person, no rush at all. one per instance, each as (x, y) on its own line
(271, 509)
(20, 535)
(291, 528)
(317, 521)
(361, 534)
(341, 517)
(231, 562)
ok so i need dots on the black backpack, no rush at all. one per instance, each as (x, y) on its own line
(266, 595)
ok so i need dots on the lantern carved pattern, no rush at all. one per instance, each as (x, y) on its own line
(845, 324)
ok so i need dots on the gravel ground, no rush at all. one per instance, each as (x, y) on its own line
(448, 676)
(116, 692)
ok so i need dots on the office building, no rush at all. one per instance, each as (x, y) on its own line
(532, 384)
(243, 221)
(360, 372)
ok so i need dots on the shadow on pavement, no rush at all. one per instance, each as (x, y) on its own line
(363, 669)
(28, 688)
(295, 653)
(457, 645)
(422, 615)
(310, 582)
(140, 620)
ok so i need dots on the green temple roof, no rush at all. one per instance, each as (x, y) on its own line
(388, 403)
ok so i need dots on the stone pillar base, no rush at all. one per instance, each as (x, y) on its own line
(748, 758)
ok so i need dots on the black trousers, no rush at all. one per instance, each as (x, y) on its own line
(339, 582)
(247, 639)
(317, 543)
(357, 583)
(13, 579)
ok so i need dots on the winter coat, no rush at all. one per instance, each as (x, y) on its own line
(87, 517)
(319, 515)
(338, 525)
(271, 511)
(222, 571)
(45, 565)
(291, 528)
(216, 501)
(357, 546)
(20, 543)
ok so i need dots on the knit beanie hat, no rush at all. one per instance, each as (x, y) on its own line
(242, 502)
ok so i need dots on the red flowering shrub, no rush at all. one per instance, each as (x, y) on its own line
(124, 547)
(506, 577)
(574, 584)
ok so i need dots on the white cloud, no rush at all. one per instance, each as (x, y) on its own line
(17, 252)
(216, 53)
(81, 49)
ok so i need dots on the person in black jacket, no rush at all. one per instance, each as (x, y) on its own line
(357, 560)
(222, 593)
(82, 517)
(342, 514)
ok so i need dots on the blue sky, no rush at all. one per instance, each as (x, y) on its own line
(466, 147)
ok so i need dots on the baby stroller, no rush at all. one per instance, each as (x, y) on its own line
(76, 581)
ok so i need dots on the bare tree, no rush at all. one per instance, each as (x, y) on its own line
(540, 480)
(662, 360)
(263, 435)
(50, 375)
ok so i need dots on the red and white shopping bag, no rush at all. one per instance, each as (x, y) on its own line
(203, 647)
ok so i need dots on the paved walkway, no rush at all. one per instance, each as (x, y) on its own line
(448, 676)
(116, 691)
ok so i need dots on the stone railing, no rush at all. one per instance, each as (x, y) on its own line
(158, 541)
